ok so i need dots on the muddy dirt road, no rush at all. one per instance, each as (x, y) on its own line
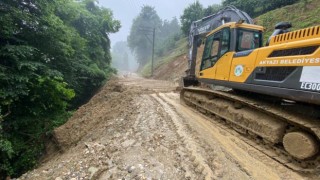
(137, 129)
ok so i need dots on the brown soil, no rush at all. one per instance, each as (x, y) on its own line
(136, 128)
(172, 71)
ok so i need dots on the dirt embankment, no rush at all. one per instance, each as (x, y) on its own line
(172, 71)
(176, 69)
(136, 128)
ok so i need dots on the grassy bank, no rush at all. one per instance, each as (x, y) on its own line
(180, 49)
(302, 14)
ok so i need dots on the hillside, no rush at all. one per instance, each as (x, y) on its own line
(301, 15)
(172, 65)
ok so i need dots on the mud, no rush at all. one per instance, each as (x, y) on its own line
(136, 128)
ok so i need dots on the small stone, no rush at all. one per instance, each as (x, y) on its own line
(131, 169)
(92, 170)
(58, 178)
(128, 143)
(140, 166)
(110, 163)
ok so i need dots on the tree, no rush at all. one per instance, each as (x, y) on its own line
(141, 34)
(168, 28)
(50, 52)
(93, 24)
(165, 36)
(257, 7)
(212, 9)
(191, 13)
(248, 6)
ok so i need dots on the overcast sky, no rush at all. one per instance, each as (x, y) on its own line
(126, 10)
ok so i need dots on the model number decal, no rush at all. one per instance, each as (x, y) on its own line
(310, 86)
(310, 78)
(203, 29)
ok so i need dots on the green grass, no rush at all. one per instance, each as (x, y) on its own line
(180, 49)
(302, 15)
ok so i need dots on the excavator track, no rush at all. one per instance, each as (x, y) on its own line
(265, 126)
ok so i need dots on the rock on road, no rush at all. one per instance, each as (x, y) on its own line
(136, 128)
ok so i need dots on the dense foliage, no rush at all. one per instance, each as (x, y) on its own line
(212, 9)
(192, 13)
(167, 35)
(254, 8)
(141, 34)
(257, 7)
(196, 11)
(53, 56)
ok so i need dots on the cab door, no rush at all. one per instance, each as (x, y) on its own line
(223, 65)
(216, 58)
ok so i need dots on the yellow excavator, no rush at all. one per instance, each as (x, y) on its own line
(275, 94)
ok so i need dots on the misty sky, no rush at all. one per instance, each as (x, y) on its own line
(126, 10)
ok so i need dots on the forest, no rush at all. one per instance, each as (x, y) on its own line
(141, 34)
(54, 55)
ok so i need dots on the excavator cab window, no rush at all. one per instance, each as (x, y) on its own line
(248, 39)
(216, 46)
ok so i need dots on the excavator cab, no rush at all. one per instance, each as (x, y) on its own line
(227, 42)
(229, 39)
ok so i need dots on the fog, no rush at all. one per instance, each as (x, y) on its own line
(126, 10)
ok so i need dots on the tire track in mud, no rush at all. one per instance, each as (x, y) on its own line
(182, 154)
(187, 161)
(221, 163)
(255, 162)
(191, 145)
